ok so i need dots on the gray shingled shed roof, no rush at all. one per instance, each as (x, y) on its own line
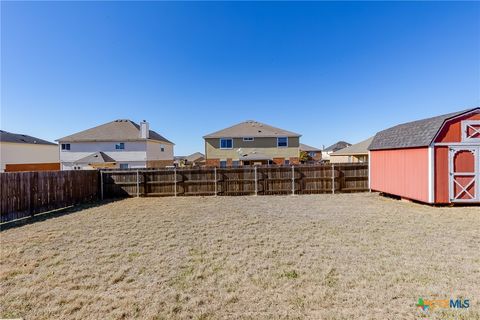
(6, 136)
(358, 148)
(252, 129)
(418, 133)
(118, 130)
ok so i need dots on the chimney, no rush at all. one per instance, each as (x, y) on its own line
(144, 130)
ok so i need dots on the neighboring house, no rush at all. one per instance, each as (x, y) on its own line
(434, 160)
(355, 153)
(194, 160)
(251, 143)
(118, 144)
(20, 152)
(326, 152)
(314, 153)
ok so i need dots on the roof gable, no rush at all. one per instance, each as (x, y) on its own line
(413, 134)
(117, 130)
(252, 129)
(305, 147)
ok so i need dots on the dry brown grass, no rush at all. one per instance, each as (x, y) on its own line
(318, 257)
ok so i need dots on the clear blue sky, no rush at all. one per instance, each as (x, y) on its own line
(330, 71)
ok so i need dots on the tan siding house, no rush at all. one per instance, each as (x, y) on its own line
(251, 143)
(352, 154)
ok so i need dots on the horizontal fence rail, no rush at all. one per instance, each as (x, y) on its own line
(24, 194)
(330, 178)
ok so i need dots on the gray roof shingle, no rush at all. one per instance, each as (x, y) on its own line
(97, 157)
(418, 133)
(6, 136)
(337, 146)
(118, 130)
(253, 129)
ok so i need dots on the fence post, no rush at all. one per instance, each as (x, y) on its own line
(293, 180)
(101, 184)
(33, 191)
(215, 177)
(175, 177)
(333, 178)
(256, 181)
(138, 185)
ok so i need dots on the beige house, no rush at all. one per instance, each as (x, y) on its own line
(353, 154)
(251, 143)
(20, 152)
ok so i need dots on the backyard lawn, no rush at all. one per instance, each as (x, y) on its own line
(342, 256)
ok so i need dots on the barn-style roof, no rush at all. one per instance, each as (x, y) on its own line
(6, 136)
(418, 133)
(251, 129)
(118, 130)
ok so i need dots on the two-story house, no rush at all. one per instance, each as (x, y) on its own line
(118, 144)
(251, 143)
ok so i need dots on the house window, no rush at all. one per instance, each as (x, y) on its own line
(235, 163)
(162, 148)
(226, 143)
(248, 139)
(282, 142)
(120, 146)
(312, 154)
(287, 162)
(223, 163)
(123, 165)
(65, 146)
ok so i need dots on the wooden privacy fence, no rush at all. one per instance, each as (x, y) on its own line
(24, 194)
(330, 178)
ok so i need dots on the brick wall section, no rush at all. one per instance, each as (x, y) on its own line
(212, 162)
(159, 163)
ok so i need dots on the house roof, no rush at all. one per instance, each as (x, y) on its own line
(418, 133)
(255, 156)
(337, 146)
(251, 128)
(354, 149)
(304, 147)
(6, 136)
(195, 156)
(117, 130)
(97, 157)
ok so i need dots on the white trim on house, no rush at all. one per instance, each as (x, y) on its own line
(431, 174)
(470, 123)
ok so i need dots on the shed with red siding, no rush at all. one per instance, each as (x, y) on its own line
(434, 160)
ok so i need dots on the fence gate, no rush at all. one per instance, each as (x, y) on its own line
(464, 167)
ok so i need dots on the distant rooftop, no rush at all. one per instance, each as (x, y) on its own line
(117, 130)
(6, 136)
(253, 129)
(360, 148)
(337, 146)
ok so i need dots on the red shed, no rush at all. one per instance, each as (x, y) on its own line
(435, 160)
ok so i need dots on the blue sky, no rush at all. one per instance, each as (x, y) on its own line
(328, 70)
